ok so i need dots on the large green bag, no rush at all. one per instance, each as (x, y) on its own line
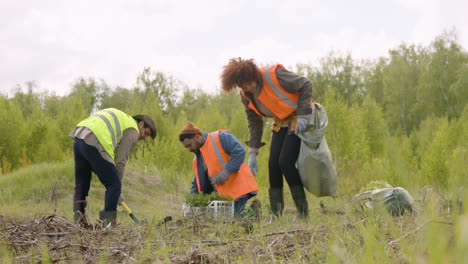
(315, 164)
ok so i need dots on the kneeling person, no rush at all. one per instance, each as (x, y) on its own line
(219, 165)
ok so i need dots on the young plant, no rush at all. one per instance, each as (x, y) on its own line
(202, 200)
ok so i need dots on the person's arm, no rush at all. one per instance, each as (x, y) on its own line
(125, 147)
(233, 147)
(295, 83)
(255, 123)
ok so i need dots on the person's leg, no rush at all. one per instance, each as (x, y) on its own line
(287, 162)
(287, 159)
(239, 205)
(107, 174)
(275, 192)
(82, 182)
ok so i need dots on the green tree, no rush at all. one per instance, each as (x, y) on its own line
(12, 129)
(446, 60)
(29, 101)
(164, 87)
(434, 169)
(401, 78)
(340, 74)
(376, 129)
(373, 75)
(89, 93)
(458, 90)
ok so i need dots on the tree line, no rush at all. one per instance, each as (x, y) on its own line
(402, 118)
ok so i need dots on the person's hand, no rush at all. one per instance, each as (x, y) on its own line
(253, 163)
(301, 124)
(121, 199)
(221, 177)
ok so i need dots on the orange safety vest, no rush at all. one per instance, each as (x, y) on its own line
(279, 101)
(238, 183)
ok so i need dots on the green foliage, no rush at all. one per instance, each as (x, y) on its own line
(435, 152)
(88, 93)
(376, 184)
(436, 85)
(202, 200)
(401, 78)
(12, 129)
(37, 183)
(45, 256)
(376, 129)
(400, 120)
(338, 73)
(162, 86)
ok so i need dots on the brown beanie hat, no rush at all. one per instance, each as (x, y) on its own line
(190, 129)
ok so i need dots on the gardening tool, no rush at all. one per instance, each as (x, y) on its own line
(131, 214)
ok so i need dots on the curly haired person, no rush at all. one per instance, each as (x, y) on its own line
(273, 92)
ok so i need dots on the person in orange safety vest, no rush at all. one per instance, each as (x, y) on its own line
(219, 165)
(274, 92)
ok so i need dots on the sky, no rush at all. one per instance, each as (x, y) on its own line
(54, 42)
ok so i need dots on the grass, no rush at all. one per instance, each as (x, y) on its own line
(437, 233)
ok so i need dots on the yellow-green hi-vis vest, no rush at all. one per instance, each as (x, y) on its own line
(108, 125)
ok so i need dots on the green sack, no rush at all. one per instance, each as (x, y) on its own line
(395, 201)
(315, 164)
(398, 201)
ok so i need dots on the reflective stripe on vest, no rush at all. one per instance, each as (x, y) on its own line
(273, 96)
(108, 126)
(269, 75)
(215, 157)
(115, 139)
(217, 151)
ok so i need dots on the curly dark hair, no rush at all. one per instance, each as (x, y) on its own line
(237, 72)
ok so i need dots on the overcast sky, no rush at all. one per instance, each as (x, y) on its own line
(56, 42)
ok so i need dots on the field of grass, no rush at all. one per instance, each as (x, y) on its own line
(35, 216)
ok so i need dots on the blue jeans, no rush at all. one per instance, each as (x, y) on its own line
(239, 205)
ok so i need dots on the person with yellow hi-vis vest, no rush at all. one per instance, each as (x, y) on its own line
(219, 166)
(274, 92)
(102, 144)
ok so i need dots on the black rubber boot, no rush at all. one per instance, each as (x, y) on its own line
(80, 219)
(300, 200)
(108, 217)
(276, 201)
(79, 213)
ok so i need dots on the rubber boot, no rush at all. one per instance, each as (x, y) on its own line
(276, 201)
(79, 213)
(300, 200)
(80, 219)
(256, 206)
(108, 217)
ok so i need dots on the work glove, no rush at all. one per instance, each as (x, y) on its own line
(301, 124)
(253, 164)
(121, 199)
(221, 177)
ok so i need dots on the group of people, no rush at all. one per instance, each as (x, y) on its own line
(104, 141)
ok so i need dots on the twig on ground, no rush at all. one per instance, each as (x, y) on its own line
(288, 232)
(391, 243)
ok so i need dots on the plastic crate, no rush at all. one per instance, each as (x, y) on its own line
(214, 208)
